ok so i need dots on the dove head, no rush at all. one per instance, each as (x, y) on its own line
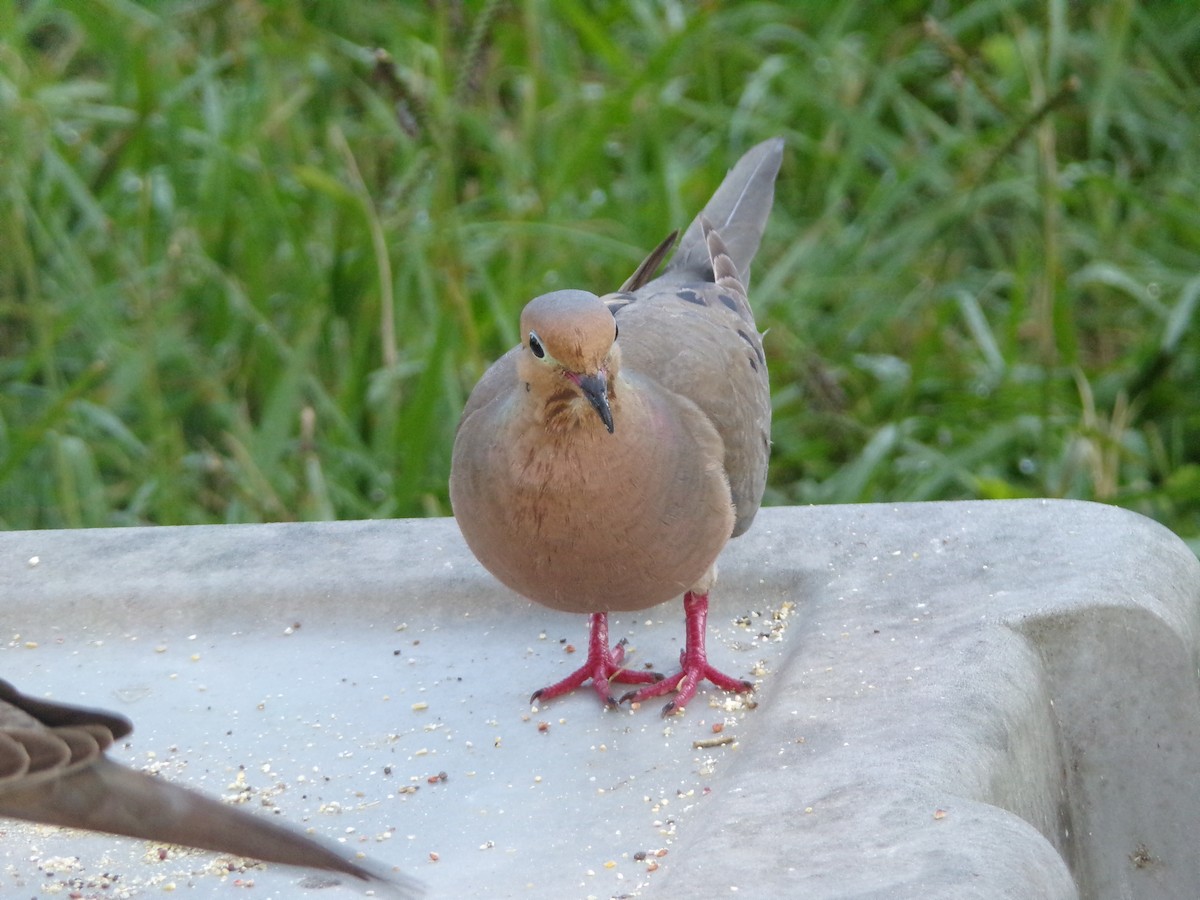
(569, 356)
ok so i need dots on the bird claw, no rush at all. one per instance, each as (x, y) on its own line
(693, 664)
(601, 673)
(602, 667)
(685, 682)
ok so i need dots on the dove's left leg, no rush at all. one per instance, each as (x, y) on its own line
(693, 663)
(603, 665)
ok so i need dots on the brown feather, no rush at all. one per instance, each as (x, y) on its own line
(53, 770)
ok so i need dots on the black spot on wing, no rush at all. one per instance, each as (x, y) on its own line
(758, 358)
(754, 345)
(690, 296)
(730, 302)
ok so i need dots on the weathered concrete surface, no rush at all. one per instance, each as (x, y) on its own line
(966, 700)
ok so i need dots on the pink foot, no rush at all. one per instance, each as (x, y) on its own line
(693, 663)
(602, 666)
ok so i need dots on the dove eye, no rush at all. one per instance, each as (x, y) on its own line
(535, 346)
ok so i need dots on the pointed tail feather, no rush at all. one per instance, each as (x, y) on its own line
(645, 271)
(738, 210)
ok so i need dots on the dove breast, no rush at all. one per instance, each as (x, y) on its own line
(587, 521)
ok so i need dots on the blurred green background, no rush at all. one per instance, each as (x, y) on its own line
(255, 254)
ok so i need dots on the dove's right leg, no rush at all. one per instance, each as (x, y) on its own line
(603, 666)
(693, 663)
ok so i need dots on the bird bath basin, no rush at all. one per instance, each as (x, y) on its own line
(954, 700)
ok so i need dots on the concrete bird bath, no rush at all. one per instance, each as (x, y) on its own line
(955, 700)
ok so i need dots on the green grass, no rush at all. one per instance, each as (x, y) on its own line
(252, 268)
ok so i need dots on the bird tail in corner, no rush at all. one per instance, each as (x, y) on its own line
(109, 797)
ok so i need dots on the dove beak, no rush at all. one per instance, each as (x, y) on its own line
(595, 388)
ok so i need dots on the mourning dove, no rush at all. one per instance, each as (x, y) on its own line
(53, 770)
(604, 462)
